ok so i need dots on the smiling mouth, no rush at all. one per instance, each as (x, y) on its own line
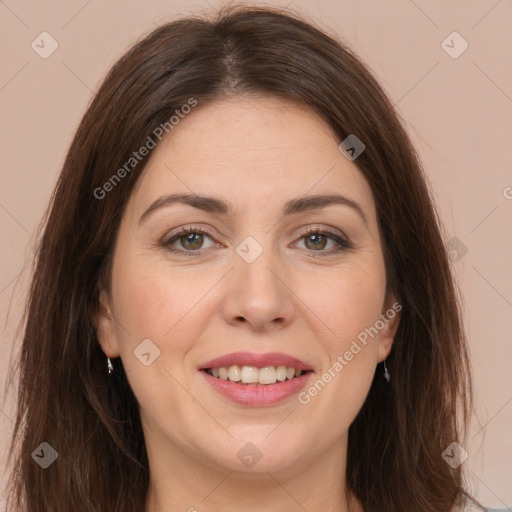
(254, 376)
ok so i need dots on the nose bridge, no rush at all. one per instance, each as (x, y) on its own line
(257, 293)
(259, 276)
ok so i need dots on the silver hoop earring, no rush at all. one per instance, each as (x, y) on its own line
(109, 366)
(387, 375)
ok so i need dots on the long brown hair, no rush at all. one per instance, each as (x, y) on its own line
(66, 397)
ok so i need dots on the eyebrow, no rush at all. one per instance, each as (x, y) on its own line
(221, 207)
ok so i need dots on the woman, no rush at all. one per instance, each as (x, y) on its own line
(241, 295)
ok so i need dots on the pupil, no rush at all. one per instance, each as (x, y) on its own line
(193, 241)
(318, 241)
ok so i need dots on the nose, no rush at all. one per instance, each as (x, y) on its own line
(258, 295)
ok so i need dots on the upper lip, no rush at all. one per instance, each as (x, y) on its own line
(259, 360)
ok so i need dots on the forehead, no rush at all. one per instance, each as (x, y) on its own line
(251, 150)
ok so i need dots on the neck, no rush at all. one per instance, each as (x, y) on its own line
(186, 482)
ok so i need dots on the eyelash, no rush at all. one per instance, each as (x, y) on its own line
(343, 244)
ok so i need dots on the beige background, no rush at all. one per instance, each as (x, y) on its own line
(457, 110)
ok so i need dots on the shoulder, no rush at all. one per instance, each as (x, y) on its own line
(474, 508)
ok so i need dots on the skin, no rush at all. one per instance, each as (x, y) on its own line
(257, 153)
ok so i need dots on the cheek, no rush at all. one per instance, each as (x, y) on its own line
(170, 310)
(347, 301)
(155, 301)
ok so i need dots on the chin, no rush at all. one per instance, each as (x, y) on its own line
(258, 454)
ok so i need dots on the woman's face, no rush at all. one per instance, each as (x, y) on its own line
(257, 173)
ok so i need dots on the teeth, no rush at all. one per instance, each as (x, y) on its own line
(249, 374)
(281, 373)
(267, 375)
(255, 375)
(234, 373)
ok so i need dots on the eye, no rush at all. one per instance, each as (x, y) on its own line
(316, 240)
(188, 240)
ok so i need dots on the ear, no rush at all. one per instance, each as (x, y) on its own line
(390, 316)
(104, 323)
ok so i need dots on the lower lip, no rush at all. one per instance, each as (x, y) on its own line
(257, 395)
